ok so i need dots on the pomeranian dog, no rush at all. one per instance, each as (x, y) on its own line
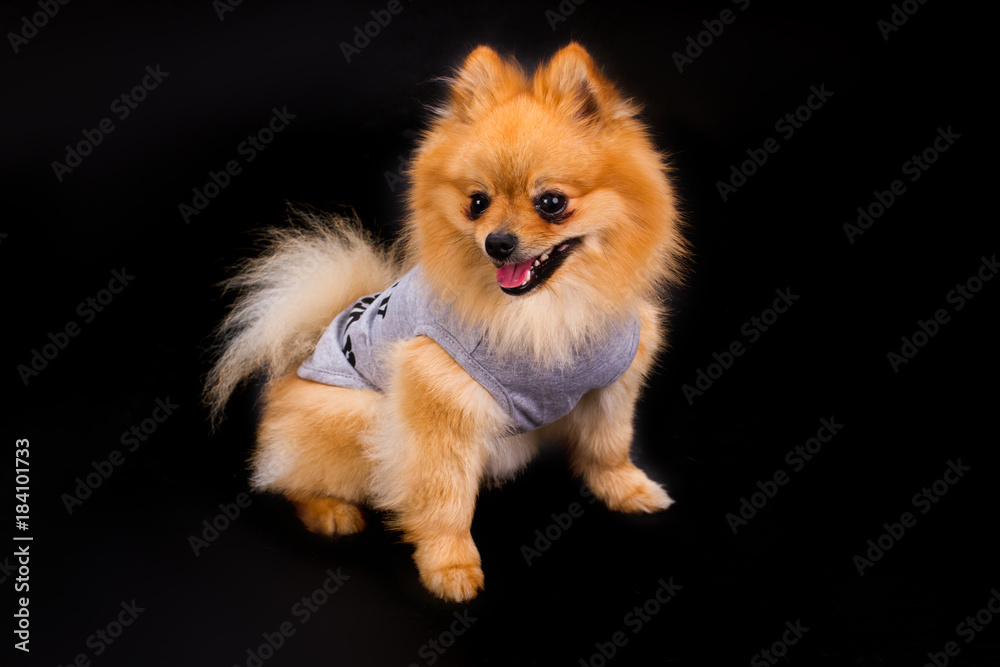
(522, 306)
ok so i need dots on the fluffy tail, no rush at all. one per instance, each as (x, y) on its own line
(287, 297)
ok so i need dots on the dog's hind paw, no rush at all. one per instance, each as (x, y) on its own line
(330, 516)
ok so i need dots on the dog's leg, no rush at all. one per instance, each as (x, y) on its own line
(309, 448)
(430, 457)
(599, 435)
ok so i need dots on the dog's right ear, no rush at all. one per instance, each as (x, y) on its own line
(484, 80)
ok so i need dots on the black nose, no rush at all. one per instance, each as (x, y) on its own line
(500, 245)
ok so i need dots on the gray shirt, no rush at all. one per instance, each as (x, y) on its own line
(353, 353)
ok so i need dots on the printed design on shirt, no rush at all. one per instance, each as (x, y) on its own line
(383, 306)
(357, 310)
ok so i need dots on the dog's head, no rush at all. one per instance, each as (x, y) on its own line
(544, 191)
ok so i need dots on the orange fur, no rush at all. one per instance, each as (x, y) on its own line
(423, 448)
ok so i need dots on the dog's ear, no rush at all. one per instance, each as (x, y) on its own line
(572, 81)
(484, 80)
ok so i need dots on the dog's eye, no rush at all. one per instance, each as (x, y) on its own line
(550, 205)
(478, 205)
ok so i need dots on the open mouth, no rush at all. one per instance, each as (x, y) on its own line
(520, 278)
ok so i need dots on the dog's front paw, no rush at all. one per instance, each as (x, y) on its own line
(454, 583)
(627, 489)
(450, 568)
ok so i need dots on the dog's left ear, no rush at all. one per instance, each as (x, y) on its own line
(572, 81)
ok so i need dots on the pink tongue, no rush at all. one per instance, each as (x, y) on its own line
(512, 275)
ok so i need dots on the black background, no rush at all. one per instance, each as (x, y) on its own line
(825, 358)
